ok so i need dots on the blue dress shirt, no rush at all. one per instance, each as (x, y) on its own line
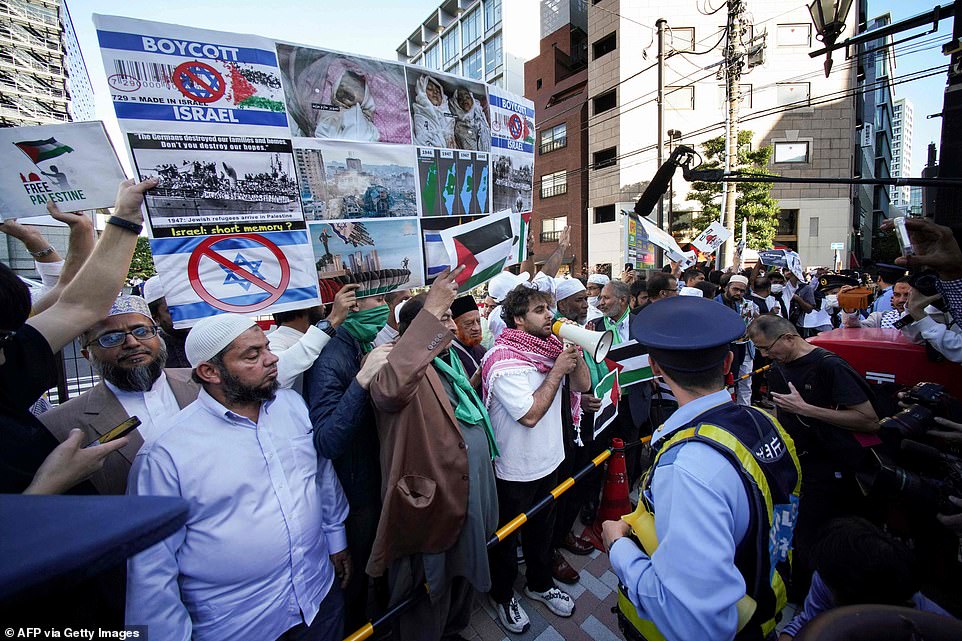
(884, 302)
(690, 586)
(265, 514)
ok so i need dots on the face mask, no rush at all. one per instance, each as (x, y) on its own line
(832, 300)
(365, 325)
(593, 301)
(777, 288)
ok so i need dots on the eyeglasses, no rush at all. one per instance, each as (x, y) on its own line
(768, 348)
(116, 339)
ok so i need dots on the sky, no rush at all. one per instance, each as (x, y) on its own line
(376, 27)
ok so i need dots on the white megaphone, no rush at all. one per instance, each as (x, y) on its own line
(596, 343)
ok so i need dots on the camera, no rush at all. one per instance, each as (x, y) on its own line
(928, 401)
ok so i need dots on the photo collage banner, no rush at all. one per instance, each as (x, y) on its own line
(281, 164)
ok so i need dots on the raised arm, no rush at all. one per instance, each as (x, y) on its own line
(80, 245)
(88, 298)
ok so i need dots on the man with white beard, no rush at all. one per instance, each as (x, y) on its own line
(126, 349)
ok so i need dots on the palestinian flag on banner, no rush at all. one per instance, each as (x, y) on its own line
(609, 391)
(483, 246)
(631, 361)
(39, 150)
(523, 237)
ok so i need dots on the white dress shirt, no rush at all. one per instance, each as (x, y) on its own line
(265, 515)
(387, 335)
(153, 407)
(296, 353)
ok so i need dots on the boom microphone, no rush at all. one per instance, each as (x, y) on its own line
(659, 183)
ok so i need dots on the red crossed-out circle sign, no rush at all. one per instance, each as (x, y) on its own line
(206, 249)
(199, 81)
(516, 126)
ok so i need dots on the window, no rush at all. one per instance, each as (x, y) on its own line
(792, 93)
(554, 138)
(605, 214)
(787, 222)
(493, 57)
(538, 84)
(551, 229)
(605, 157)
(470, 29)
(471, 66)
(680, 98)
(492, 14)
(605, 101)
(432, 57)
(604, 45)
(793, 35)
(449, 44)
(787, 152)
(554, 184)
(745, 91)
(682, 38)
(813, 227)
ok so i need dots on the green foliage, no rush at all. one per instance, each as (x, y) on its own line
(142, 264)
(753, 200)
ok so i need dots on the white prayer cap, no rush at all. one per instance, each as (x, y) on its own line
(691, 291)
(599, 279)
(212, 334)
(500, 285)
(738, 278)
(125, 304)
(397, 311)
(153, 289)
(565, 287)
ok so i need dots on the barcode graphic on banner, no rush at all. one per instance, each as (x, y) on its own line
(145, 71)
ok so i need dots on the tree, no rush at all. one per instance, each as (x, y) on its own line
(754, 199)
(142, 264)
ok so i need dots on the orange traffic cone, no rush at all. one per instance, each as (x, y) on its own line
(614, 498)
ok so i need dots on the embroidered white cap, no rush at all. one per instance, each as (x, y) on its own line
(153, 289)
(212, 334)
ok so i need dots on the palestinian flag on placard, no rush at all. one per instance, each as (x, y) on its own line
(609, 391)
(631, 361)
(39, 150)
(482, 246)
(523, 237)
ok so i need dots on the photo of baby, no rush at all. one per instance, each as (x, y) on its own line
(449, 112)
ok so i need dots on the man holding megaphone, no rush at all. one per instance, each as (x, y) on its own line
(525, 391)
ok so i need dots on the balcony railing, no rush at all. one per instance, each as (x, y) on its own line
(551, 145)
(549, 236)
(554, 190)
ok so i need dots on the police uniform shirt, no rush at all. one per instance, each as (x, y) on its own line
(690, 586)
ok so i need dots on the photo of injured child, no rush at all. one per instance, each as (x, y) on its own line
(334, 96)
(448, 112)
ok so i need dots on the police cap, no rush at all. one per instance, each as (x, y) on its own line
(686, 333)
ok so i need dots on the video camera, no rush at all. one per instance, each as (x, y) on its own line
(916, 471)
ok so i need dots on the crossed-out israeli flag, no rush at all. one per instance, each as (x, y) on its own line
(244, 274)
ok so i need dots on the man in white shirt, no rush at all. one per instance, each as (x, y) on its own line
(127, 351)
(526, 395)
(389, 333)
(264, 540)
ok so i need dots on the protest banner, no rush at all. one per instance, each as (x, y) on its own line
(217, 184)
(657, 236)
(712, 237)
(241, 273)
(773, 258)
(513, 181)
(379, 255)
(484, 246)
(512, 121)
(453, 183)
(172, 78)
(72, 165)
(448, 111)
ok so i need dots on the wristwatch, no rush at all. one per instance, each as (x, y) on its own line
(326, 327)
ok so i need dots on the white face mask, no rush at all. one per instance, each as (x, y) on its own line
(593, 301)
(777, 288)
(832, 300)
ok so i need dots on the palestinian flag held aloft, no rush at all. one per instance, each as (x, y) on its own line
(483, 246)
(609, 392)
(631, 361)
(40, 150)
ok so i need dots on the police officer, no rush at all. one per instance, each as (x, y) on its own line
(723, 484)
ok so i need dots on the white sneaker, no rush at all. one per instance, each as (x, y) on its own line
(512, 615)
(558, 601)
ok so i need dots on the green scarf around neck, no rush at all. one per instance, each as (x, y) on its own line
(365, 325)
(598, 371)
(470, 410)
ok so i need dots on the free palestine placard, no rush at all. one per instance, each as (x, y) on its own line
(71, 164)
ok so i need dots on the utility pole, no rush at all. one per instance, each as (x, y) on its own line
(660, 25)
(948, 203)
(733, 71)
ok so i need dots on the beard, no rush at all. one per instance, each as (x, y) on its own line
(236, 392)
(140, 378)
(468, 341)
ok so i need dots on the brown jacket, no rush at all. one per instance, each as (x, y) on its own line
(97, 411)
(424, 463)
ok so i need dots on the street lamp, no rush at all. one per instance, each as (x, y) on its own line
(829, 17)
(673, 135)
